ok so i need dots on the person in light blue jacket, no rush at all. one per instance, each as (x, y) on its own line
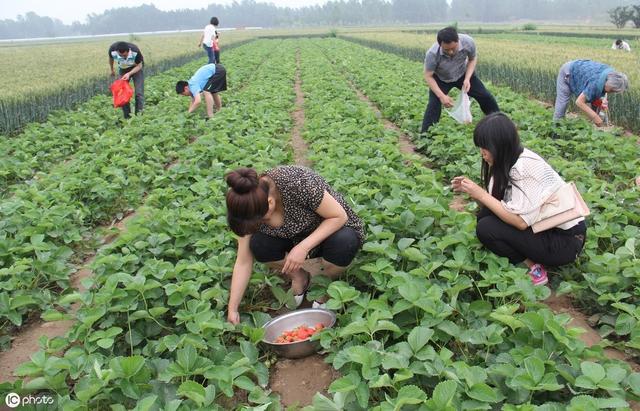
(589, 81)
(209, 80)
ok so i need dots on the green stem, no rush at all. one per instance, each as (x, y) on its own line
(130, 334)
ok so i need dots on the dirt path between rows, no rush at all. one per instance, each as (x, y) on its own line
(25, 343)
(404, 141)
(562, 305)
(298, 381)
(299, 146)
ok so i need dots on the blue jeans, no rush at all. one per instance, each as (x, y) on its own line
(563, 91)
(209, 51)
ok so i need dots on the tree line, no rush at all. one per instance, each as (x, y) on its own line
(621, 15)
(245, 13)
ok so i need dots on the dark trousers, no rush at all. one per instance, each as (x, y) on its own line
(138, 84)
(477, 91)
(553, 247)
(210, 55)
(339, 248)
(216, 56)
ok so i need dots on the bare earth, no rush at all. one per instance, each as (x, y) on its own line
(299, 145)
(297, 381)
(562, 304)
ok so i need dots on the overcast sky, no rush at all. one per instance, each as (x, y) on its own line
(76, 10)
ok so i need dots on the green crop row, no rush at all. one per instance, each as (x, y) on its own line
(427, 318)
(63, 75)
(604, 280)
(48, 223)
(524, 66)
(41, 145)
(152, 329)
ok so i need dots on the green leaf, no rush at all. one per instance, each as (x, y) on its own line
(22, 300)
(535, 368)
(346, 384)
(413, 254)
(419, 337)
(482, 392)
(192, 390)
(386, 325)
(612, 403)
(383, 381)
(444, 393)
(244, 383)
(404, 243)
(362, 394)
(146, 403)
(322, 403)
(105, 342)
(127, 367)
(595, 372)
(249, 350)
(634, 382)
(410, 394)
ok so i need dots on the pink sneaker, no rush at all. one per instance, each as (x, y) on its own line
(538, 275)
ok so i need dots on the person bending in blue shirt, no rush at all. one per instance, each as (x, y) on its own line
(589, 80)
(209, 80)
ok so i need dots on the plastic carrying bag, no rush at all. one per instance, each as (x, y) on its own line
(461, 111)
(122, 92)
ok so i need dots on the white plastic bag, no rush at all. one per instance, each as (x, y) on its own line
(461, 111)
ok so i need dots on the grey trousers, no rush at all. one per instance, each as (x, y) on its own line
(138, 84)
(563, 91)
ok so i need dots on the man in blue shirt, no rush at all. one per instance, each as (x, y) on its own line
(130, 63)
(589, 80)
(209, 80)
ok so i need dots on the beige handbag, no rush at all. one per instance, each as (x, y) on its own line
(564, 205)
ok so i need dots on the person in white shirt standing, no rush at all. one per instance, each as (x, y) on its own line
(517, 182)
(621, 45)
(208, 38)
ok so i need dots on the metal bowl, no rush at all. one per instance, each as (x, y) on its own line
(289, 321)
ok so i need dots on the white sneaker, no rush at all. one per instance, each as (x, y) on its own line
(299, 299)
(316, 304)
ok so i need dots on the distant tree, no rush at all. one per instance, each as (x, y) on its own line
(620, 15)
(634, 15)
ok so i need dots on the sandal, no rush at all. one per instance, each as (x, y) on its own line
(299, 298)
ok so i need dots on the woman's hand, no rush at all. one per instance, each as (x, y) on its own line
(233, 317)
(295, 259)
(465, 185)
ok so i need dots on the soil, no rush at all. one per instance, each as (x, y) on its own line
(404, 141)
(563, 304)
(25, 342)
(300, 147)
(297, 381)
(458, 203)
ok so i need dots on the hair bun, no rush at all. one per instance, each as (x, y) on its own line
(243, 180)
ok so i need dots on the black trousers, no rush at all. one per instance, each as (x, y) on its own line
(339, 248)
(477, 91)
(553, 247)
